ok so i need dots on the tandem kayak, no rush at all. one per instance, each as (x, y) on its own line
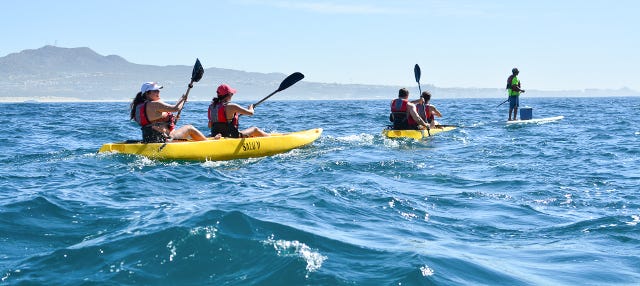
(216, 150)
(417, 134)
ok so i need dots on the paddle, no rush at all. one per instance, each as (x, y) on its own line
(502, 102)
(196, 75)
(418, 73)
(286, 83)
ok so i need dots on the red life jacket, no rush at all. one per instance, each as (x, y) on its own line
(398, 108)
(142, 118)
(217, 114)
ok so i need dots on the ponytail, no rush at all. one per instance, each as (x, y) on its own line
(219, 99)
(139, 99)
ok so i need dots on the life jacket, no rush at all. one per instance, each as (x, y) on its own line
(218, 121)
(424, 111)
(510, 86)
(151, 132)
(509, 80)
(400, 115)
(142, 118)
(141, 114)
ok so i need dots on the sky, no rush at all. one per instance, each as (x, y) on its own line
(556, 44)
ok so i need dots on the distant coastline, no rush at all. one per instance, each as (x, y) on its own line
(54, 99)
(55, 74)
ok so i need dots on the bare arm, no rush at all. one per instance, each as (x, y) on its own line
(414, 114)
(234, 108)
(435, 111)
(161, 106)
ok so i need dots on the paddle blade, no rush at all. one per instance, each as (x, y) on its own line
(290, 80)
(417, 72)
(198, 71)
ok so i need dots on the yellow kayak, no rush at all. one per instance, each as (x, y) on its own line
(416, 134)
(215, 150)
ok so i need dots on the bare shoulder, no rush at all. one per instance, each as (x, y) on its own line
(233, 106)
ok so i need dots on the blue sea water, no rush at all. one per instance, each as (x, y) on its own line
(486, 204)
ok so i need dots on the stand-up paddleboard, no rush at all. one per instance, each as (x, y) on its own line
(536, 120)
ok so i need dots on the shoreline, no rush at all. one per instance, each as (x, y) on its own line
(56, 99)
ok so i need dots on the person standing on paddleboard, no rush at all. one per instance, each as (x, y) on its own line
(156, 119)
(224, 116)
(404, 114)
(514, 90)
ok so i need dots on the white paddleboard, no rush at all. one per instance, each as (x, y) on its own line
(535, 120)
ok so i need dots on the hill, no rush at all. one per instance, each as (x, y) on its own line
(81, 74)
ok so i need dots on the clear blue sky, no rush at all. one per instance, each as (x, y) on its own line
(556, 44)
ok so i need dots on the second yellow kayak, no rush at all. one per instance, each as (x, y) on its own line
(416, 134)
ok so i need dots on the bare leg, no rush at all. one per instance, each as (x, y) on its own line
(188, 131)
(253, 132)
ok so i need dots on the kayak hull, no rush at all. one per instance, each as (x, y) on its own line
(217, 150)
(417, 134)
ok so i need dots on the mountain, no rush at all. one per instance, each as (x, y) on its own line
(82, 74)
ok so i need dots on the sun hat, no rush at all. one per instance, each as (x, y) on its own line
(148, 86)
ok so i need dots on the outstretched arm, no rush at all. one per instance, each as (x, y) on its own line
(414, 114)
(435, 111)
(234, 108)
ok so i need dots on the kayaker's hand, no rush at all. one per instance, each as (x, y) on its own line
(250, 107)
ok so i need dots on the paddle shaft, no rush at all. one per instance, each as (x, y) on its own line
(286, 83)
(196, 75)
(502, 102)
(267, 97)
(418, 73)
(186, 95)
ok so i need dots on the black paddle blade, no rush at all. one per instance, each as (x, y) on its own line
(198, 71)
(290, 80)
(416, 71)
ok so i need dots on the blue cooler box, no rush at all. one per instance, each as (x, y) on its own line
(526, 113)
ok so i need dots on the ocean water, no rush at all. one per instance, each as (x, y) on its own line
(538, 204)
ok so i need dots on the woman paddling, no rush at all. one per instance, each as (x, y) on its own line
(427, 111)
(224, 116)
(156, 119)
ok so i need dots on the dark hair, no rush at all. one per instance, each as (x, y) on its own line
(426, 95)
(403, 92)
(140, 98)
(220, 98)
